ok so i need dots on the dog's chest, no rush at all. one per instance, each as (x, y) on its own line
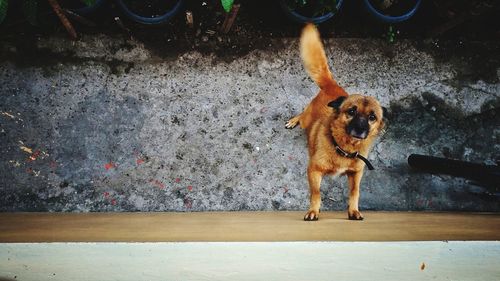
(338, 172)
(334, 167)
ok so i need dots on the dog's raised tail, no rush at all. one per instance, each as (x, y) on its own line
(314, 57)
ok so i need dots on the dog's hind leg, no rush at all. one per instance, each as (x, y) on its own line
(292, 123)
(304, 119)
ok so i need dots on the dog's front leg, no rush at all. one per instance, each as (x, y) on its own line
(354, 180)
(314, 178)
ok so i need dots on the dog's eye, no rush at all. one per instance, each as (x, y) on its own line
(372, 117)
(351, 111)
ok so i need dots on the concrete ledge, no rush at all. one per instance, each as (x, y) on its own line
(456, 260)
(245, 226)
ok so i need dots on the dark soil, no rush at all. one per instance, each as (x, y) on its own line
(259, 22)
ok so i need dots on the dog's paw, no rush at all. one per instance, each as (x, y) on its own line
(311, 215)
(355, 215)
(292, 123)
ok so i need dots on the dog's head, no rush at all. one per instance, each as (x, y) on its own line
(360, 116)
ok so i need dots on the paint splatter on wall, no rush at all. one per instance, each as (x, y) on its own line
(109, 166)
(157, 183)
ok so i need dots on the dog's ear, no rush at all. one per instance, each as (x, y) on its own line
(385, 112)
(383, 122)
(337, 103)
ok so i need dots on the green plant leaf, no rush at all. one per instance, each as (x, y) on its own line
(89, 2)
(30, 10)
(227, 5)
(3, 9)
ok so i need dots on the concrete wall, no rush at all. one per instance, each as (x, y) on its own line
(105, 124)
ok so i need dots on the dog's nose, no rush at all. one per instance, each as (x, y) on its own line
(360, 124)
(359, 127)
(359, 130)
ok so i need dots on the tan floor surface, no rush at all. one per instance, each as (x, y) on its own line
(246, 226)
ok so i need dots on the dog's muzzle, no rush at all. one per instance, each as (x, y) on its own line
(358, 127)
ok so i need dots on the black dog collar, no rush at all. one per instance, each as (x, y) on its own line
(351, 155)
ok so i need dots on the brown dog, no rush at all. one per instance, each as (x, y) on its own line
(340, 128)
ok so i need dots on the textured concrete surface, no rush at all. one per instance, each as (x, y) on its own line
(105, 124)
